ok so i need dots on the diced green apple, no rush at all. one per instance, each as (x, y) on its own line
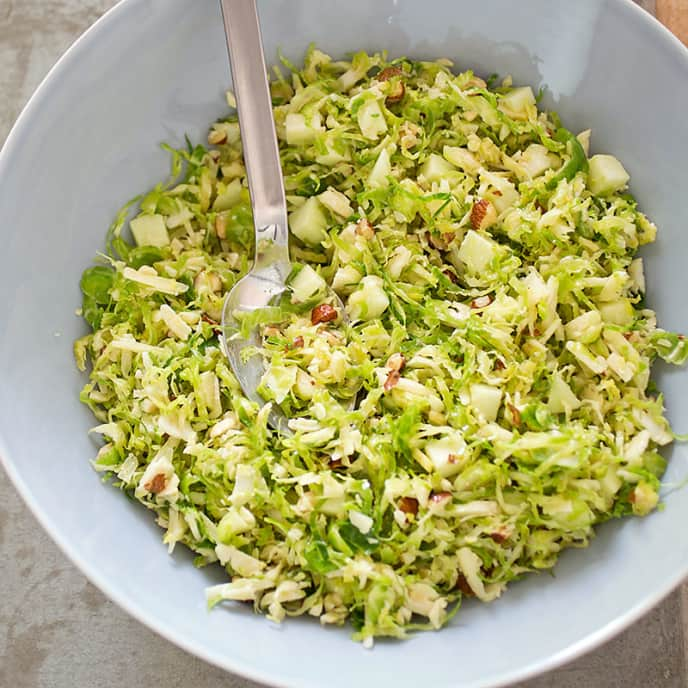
(150, 230)
(476, 251)
(378, 178)
(370, 119)
(606, 174)
(436, 168)
(307, 283)
(308, 222)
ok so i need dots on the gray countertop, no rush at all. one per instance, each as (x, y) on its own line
(58, 631)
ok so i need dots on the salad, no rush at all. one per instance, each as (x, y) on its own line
(485, 404)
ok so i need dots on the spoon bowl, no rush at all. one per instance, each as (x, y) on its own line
(256, 290)
(267, 279)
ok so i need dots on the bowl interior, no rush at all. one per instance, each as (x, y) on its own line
(88, 141)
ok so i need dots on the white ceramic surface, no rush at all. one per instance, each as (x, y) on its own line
(152, 70)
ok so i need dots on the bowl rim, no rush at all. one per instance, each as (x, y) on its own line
(241, 668)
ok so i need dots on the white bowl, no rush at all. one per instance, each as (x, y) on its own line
(88, 140)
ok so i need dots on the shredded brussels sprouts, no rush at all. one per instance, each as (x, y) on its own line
(498, 348)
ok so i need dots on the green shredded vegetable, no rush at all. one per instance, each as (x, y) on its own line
(498, 350)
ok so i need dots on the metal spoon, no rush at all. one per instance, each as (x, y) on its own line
(266, 280)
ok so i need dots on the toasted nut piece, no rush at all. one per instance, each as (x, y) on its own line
(440, 497)
(388, 72)
(396, 362)
(515, 415)
(481, 301)
(396, 93)
(213, 323)
(333, 339)
(271, 331)
(476, 82)
(392, 380)
(409, 133)
(483, 214)
(441, 243)
(157, 484)
(435, 242)
(409, 505)
(206, 280)
(217, 137)
(221, 226)
(323, 313)
(499, 536)
(451, 276)
(397, 90)
(462, 585)
(297, 343)
(365, 229)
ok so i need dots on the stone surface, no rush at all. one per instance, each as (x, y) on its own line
(58, 631)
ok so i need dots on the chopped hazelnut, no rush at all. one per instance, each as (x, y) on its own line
(271, 331)
(207, 280)
(392, 380)
(396, 93)
(388, 72)
(451, 276)
(515, 415)
(221, 226)
(396, 362)
(364, 229)
(217, 137)
(157, 484)
(483, 214)
(323, 313)
(481, 301)
(409, 505)
(463, 586)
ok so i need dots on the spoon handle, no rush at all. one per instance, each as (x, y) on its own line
(258, 137)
